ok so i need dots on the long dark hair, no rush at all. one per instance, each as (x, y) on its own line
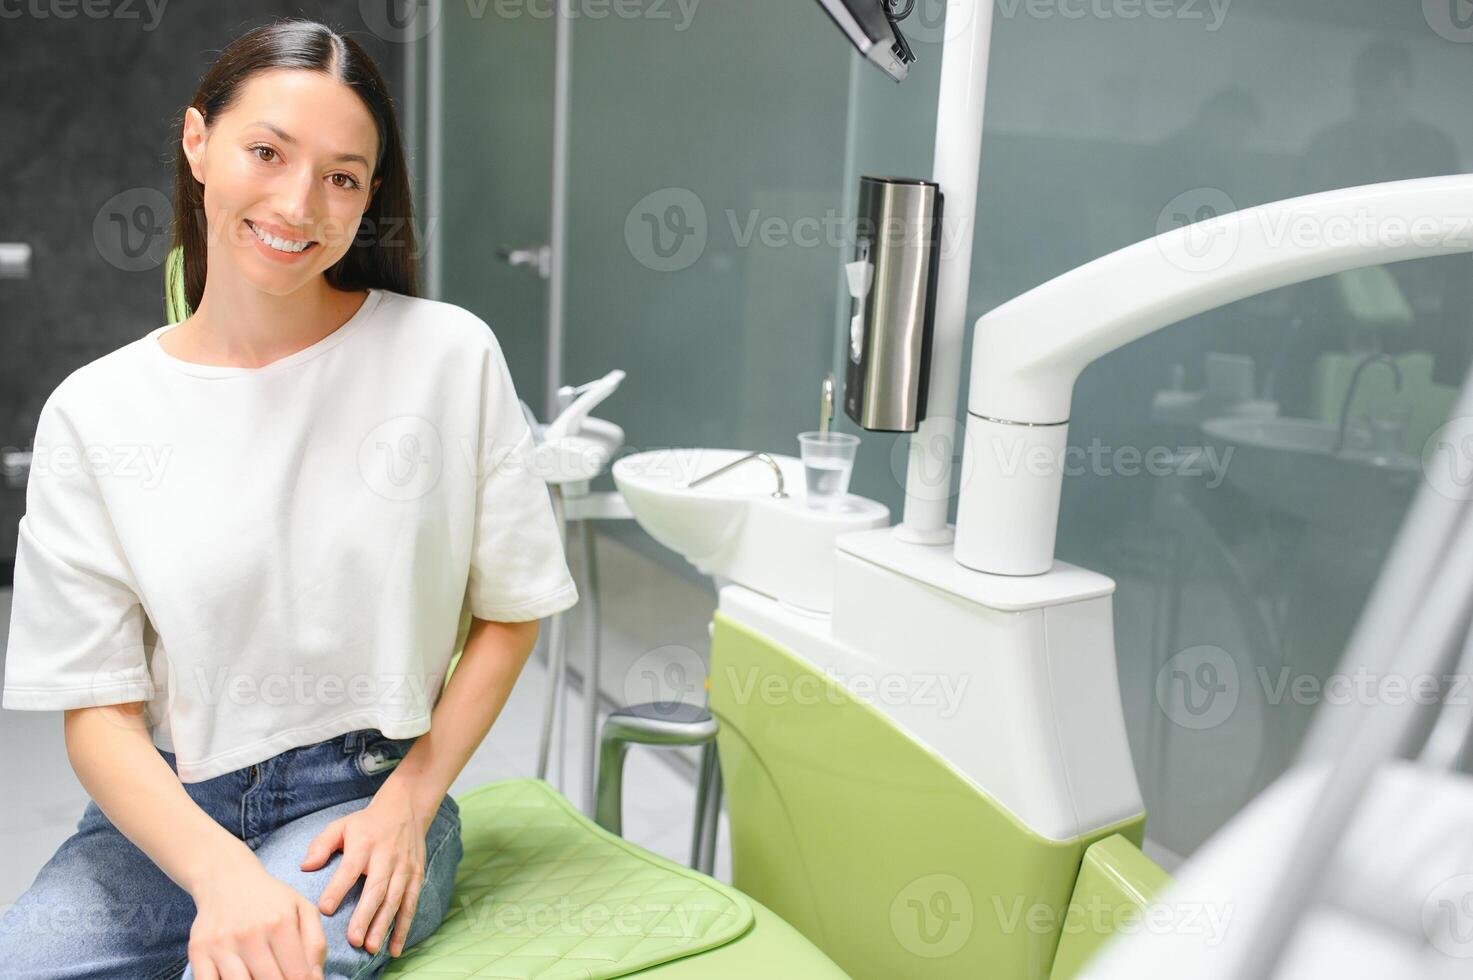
(383, 253)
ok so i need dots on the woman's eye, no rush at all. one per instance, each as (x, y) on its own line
(258, 149)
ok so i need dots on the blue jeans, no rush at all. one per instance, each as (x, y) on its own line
(100, 909)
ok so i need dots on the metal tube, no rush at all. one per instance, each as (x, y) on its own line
(435, 151)
(710, 815)
(556, 648)
(698, 820)
(590, 677)
(557, 235)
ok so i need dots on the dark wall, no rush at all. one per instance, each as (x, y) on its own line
(90, 101)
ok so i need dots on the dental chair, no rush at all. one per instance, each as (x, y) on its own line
(544, 892)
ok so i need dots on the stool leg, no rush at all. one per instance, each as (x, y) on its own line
(556, 654)
(703, 801)
(712, 813)
(590, 678)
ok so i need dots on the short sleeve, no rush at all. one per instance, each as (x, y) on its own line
(76, 622)
(518, 571)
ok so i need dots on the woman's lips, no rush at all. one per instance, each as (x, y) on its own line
(276, 253)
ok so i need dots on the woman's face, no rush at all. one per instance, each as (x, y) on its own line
(291, 159)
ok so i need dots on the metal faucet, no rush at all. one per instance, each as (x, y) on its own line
(1369, 359)
(764, 457)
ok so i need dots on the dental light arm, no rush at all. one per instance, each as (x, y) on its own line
(1027, 353)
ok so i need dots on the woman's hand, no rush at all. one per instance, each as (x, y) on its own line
(386, 841)
(250, 925)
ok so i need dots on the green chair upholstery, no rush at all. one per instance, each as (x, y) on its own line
(544, 893)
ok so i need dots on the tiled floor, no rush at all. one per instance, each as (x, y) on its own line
(651, 619)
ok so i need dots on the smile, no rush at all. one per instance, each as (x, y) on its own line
(280, 244)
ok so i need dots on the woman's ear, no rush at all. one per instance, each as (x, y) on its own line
(194, 140)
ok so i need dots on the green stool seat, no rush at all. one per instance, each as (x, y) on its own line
(544, 893)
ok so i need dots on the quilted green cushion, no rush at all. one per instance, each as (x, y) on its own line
(544, 893)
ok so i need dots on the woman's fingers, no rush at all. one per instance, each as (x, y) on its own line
(327, 841)
(342, 880)
(232, 967)
(375, 890)
(314, 940)
(406, 915)
(261, 962)
(404, 879)
(281, 950)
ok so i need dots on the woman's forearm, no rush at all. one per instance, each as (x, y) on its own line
(114, 757)
(494, 656)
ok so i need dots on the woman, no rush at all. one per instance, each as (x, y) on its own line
(253, 543)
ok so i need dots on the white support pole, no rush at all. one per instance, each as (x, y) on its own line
(557, 231)
(964, 55)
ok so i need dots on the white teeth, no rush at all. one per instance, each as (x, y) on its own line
(280, 244)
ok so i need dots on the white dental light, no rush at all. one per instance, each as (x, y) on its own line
(1027, 353)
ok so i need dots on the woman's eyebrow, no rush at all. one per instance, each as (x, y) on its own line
(288, 138)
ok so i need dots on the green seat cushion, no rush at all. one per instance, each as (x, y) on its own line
(770, 949)
(543, 892)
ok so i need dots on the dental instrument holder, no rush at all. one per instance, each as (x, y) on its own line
(892, 283)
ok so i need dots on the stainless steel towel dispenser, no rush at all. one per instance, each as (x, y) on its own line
(892, 285)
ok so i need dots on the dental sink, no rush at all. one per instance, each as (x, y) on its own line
(1290, 465)
(732, 527)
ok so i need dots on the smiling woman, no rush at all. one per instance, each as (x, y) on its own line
(293, 141)
(252, 644)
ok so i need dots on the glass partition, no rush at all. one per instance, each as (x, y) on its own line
(716, 150)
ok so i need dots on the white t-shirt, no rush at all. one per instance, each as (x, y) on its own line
(274, 556)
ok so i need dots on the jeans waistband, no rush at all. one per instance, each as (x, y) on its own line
(355, 740)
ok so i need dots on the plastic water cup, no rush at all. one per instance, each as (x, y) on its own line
(828, 461)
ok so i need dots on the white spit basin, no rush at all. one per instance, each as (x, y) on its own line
(733, 528)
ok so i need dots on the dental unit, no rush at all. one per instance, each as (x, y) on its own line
(1015, 794)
